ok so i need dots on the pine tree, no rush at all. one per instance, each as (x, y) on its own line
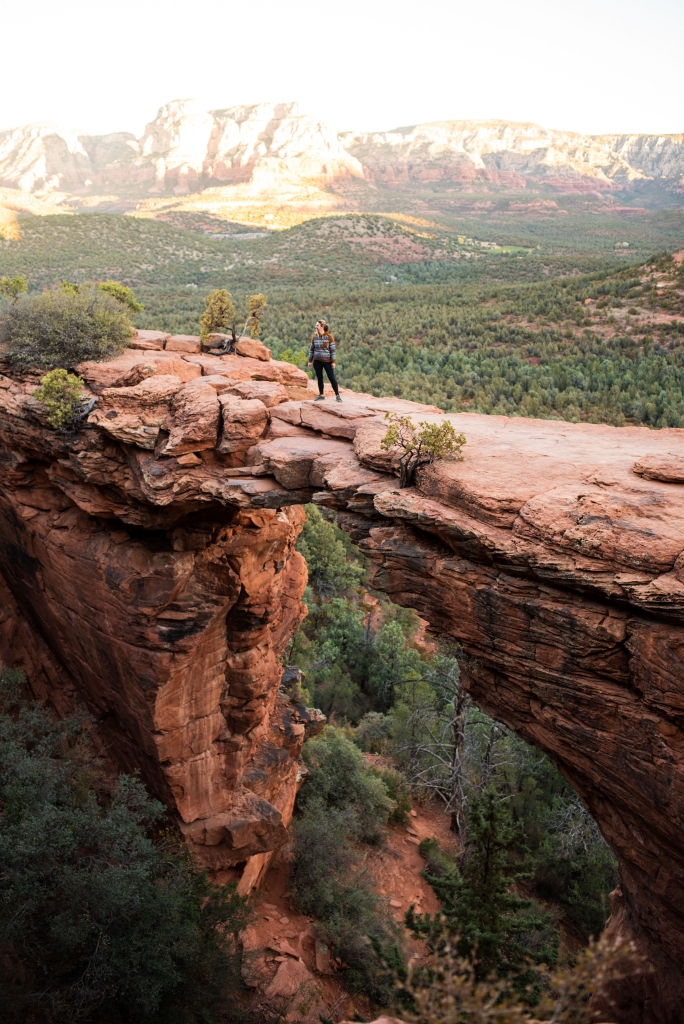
(482, 917)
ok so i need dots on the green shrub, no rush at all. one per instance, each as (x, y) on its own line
(60, 328)
(99, 922)
(60, 392)
(12, 287)
(122, 294)
(341, 780)
(337, 695)
(219, 313)
(373, 732)
(420, 446)
(334, 563)
(342, 805)
(256, 304)
(438, 863)
(398, 791)
(330, 884)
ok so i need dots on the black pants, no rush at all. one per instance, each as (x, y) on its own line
(319, 366)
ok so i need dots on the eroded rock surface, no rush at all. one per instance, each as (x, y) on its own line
(150, 569)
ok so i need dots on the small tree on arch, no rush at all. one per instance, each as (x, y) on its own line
(420, 445)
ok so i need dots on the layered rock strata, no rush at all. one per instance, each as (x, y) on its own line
(149, 561)
(263, 146)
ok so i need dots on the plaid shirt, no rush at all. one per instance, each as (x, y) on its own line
(323, 348)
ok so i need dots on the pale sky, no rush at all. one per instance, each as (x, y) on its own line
(586, 65)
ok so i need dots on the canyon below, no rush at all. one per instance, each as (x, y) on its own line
(149, 572)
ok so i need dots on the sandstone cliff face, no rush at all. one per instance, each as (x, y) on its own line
(273, 146)
(183, 148)
(149, 571)
(505, 153)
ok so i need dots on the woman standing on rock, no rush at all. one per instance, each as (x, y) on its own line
(322, 357)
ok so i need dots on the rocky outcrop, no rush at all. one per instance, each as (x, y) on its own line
(506, 153)
(150, 570)
(272, 146)
(184, 148)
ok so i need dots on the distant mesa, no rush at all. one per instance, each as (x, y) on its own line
(275, 148)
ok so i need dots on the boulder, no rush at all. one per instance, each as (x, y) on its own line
(323, 957)
(134, 415)
(289, 979)
(335, 419)
(253, 348)
(296, 393)
(149, 340)
(395, 1020)
(220, 383)
(160, 363)
(251, 826)
(244, 422)
(194, 419)
(184, 343)
(297, 994)
(252, 967)
(290, 374)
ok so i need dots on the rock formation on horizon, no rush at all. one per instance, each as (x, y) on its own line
(187, 149)
(148, 570)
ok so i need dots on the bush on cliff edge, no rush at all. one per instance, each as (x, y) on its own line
(63, 327)
(98, 920)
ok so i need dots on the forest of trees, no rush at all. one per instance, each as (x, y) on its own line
(541, 335)
(386, 689)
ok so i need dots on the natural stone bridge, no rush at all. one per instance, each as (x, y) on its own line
(149, 570)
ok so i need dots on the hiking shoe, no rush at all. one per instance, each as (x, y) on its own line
(321, 398)
(339, 399)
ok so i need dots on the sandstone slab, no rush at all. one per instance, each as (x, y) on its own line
(268, 392)
(183, 343)
(133, 366)
(668, 467)
(299, 462)
(149, 340)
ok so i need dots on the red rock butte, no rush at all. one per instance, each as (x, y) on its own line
(149, 571)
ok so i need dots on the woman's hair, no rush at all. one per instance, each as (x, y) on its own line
(324, 324)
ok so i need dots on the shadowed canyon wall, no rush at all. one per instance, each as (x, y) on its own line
(149, 571)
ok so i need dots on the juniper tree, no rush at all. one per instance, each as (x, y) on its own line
(100, 919)
(483, 918)
(220, 316)
(421, 445)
